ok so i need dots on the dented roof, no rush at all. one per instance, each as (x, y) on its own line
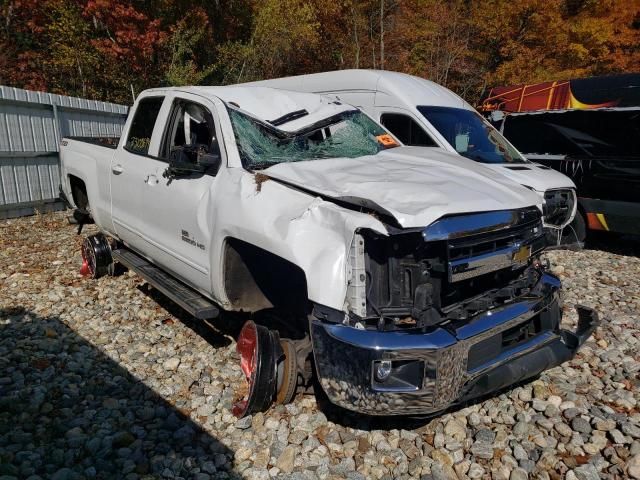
(269, 104)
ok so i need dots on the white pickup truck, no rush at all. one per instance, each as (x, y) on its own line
(410, 280)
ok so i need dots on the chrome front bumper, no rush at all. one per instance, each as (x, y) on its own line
(448, 365)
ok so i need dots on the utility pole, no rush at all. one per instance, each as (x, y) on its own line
(382, 34)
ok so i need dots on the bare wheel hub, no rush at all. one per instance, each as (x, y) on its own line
(96, 256)
(259, 350)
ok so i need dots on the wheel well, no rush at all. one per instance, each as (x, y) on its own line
(255, 279)
(79, 192)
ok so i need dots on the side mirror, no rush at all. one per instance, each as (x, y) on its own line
(210, 162)
(186, 160)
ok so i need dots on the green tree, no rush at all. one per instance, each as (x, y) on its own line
(72, 62)
(283, 32)
(188, 36)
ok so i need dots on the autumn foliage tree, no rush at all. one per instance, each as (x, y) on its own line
(282, 34)
(111, 49)
(128, 40)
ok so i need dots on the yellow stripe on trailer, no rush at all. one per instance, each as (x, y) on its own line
(603, 221)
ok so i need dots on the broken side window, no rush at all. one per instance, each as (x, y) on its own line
(349, 134)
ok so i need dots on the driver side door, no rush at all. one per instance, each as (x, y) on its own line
(178, 209)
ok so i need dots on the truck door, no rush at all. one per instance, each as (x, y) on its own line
(176, 213)
(128, 168)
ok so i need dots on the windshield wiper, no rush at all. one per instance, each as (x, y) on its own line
(288, 117)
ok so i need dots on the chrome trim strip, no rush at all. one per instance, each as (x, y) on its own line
(470, 267)
(389, 341)
(495, 321)
(465, 225)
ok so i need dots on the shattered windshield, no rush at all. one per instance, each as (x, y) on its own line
(349, 134)
(471, 135)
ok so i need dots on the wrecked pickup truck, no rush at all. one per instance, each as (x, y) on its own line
(406, 280)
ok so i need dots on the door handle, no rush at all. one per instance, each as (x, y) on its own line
(151, 180)
(117, 169)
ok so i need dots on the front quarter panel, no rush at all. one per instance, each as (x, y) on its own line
(311, 233)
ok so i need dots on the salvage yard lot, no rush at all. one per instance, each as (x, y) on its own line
(105, 378)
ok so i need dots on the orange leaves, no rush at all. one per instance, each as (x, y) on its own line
(101, 48)
(126, 33)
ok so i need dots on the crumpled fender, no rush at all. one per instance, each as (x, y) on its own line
(310, 232)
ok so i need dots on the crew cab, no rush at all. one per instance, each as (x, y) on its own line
(411, 278)
(423, 113)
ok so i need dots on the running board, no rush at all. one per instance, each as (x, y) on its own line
(190, 300)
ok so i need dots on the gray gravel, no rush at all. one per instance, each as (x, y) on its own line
(99, 380)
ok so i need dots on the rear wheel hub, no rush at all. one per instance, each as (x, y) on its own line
(96, 256)
(259, 350)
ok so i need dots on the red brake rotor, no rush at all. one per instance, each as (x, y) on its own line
(259, 350)
(247, 348)
(85, 270)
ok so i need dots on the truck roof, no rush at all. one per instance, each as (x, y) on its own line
(268, 103)
(411, 89)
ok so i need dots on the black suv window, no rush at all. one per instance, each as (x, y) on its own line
(407, 130)
(142, 125)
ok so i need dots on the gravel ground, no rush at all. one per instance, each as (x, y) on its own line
(106, 379)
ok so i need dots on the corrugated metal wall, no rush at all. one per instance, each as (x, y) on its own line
(31, 126)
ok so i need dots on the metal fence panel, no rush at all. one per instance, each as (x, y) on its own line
(31, 126)
(27, 128)
(29, 179)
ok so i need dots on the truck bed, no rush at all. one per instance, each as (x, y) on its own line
(85, 167)
(109, 142)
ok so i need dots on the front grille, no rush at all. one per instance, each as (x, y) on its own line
(470, 257)
(454, 268)
(558, 206)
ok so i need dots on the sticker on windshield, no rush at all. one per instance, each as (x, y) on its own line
(387, 140)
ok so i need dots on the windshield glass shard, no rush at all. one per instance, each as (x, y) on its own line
(349, 134)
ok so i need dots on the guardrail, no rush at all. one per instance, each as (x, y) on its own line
(31, 126)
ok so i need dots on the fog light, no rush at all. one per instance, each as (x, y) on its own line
(382, 370)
